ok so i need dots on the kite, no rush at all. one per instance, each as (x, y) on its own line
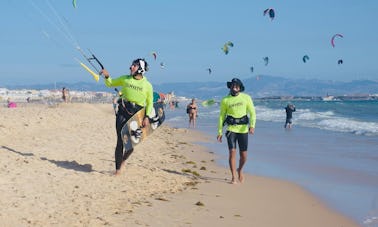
(162, 65)
(251, 69)
(340, 61)
(209, 70)
(305, 58)
(333, 39)
(266, 60)
(271, 13)
(154, 55)
(74, 3)
(208, 102)
(226, 46)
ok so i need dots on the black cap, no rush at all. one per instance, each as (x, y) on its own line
(235, 81)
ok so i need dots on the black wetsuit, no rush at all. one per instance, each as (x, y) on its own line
(289, 114)
(125, 111)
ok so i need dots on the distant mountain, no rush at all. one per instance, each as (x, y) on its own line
(258, 87)
(267, 86)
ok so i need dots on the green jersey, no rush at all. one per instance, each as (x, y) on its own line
(237, 107)
(137, 91)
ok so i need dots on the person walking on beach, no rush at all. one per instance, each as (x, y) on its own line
(192, 111)
(136, 93)
(290, 108)
(234, 111)
(65, 94)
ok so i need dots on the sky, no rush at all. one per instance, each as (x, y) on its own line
(39, 39)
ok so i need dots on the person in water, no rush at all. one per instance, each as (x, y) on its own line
(234, 111)
(192, 111)
(290, 108)
(136, 93)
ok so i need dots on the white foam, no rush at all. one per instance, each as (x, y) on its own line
(327, 120)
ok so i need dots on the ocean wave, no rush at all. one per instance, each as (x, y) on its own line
(325, 119)
(350, 125)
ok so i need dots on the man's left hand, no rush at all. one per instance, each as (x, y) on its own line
(146, 121)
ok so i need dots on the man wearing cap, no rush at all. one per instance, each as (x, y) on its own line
(136, 93)
(234, 111)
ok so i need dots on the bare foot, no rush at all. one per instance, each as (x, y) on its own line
(233, 181)
(241, 176)
(117, 172)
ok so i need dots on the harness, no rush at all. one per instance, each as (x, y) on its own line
(128, 107)
(236, 121)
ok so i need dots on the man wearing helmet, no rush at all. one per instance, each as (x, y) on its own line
(136, 93)
(234, 111)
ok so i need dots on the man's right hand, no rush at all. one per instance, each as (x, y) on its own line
(219, 138)
(105, 73)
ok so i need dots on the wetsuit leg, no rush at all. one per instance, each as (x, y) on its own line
(288, 122)
(122, 117)
(118, 154)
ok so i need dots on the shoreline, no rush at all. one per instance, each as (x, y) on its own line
(259, 201)
(57, 164)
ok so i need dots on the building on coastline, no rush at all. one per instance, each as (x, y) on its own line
(52, 96)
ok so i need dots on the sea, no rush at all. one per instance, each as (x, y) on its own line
(331, 150)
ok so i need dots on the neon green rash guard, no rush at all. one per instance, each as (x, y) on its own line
(237, 107)
(137, 91)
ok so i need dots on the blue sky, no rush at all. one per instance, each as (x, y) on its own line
(39, 37)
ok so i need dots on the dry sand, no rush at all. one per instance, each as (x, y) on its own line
(57, 165)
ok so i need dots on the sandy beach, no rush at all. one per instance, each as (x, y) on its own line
(57, 165)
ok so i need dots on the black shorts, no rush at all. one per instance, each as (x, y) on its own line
(288, 121)
(241, 138)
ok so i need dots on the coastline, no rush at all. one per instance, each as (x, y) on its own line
(57, 162)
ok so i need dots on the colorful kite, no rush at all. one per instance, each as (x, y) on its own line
(226, 46)
(208, 102)
(333, 39)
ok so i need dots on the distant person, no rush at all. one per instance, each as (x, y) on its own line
(65, 94)
(156, 97)
(137, 92)
(11, 104)
(192, 111)
(290, 108)
(234, 111)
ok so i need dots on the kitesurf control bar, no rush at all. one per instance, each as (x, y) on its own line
(90, 59)
(96, 59)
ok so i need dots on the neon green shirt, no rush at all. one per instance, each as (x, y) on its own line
(137, 91)
(237, 107)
